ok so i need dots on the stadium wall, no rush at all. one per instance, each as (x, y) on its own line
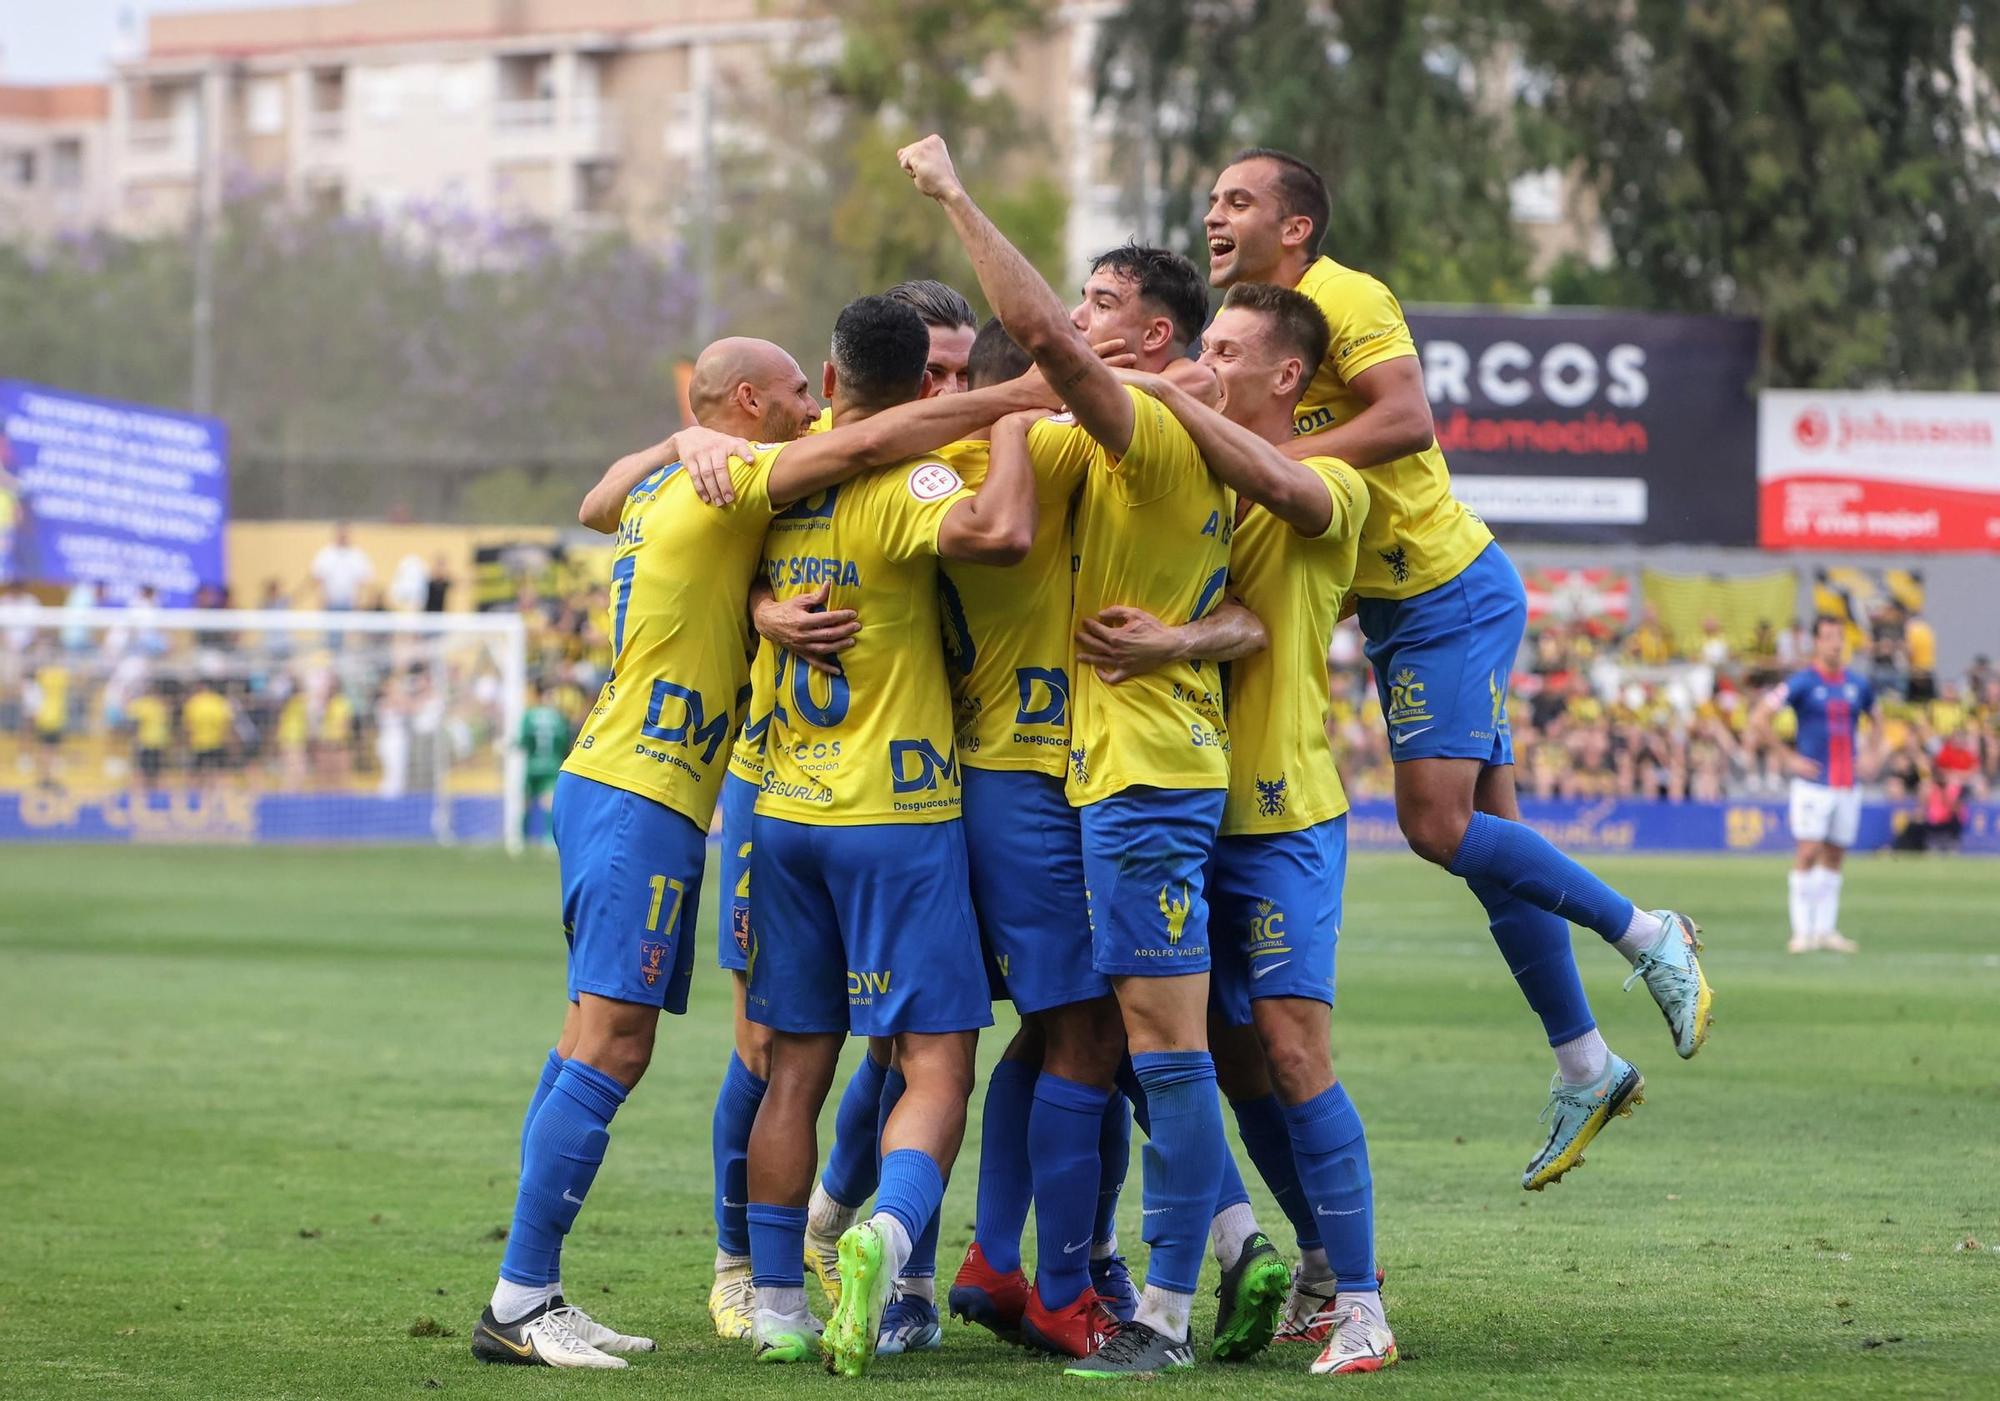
(1609, 826)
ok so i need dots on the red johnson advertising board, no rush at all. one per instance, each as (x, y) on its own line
(1878, 471)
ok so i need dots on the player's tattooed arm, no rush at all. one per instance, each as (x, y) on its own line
(804, 626)
(997, 524)
(1120, 643)
(1395, 424)
(1256, 469)
(820, 460)
(705, 453)
(1025, 303)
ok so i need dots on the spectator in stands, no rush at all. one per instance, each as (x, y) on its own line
(437, 589)
(342, 571)
(1920, 654)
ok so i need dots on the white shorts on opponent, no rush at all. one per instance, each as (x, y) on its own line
(1824, 814)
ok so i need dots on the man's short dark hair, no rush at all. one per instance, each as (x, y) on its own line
(1300, 191)
(1167, 280)
(1829, 620)
(880, 350)
(938, 303)
(995, 358)
(1296, 320)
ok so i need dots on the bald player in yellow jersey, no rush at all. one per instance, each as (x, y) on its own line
(1443, 612)
(631, 816)
(1282, 857)
(1149, 759)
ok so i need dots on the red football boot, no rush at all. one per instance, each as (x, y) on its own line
(1077, 1330)
(983, 1295)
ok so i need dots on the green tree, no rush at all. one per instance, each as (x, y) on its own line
(1832, 168)
(1407, 107)
(815, 222)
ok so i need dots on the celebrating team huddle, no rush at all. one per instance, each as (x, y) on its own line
(1014, 660)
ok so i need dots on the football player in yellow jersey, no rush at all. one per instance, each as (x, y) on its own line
(1052, 1126)
(1149, 762)
(209, 719)
(1444, 612)
(152, 721)
(632, 809)
(862, 920)
(1282, 856)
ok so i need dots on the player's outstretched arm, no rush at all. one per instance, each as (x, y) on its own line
(996, 525)
(1026, 305)
(1259, 470)
(821, 460)
(705, 452)
(1395, 423)
(1121, 643)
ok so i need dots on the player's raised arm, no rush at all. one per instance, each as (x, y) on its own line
(1258, 470)
(1025, 303)
(996, 525)
(814, 463)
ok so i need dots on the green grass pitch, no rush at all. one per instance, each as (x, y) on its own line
(259, 1108)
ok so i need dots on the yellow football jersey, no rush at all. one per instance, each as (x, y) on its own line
(679, 638)
(1281, 774)
(52, 712)
(152, 722)
(1007, 631)
(873, 744)
(1152, 532)
(746, 756)
(208, 719)
(1417, 535)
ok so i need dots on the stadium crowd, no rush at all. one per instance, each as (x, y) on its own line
(1600, 709)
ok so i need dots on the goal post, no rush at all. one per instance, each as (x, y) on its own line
(252, 725)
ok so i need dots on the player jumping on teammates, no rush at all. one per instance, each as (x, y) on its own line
(1829, 700)
(1443, 613)
(632, 809)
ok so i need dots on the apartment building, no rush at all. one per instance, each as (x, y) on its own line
(577, 112)
(53, 172)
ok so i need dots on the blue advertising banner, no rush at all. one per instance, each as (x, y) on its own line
(1613, 826)
(257, 818)
(121, 495)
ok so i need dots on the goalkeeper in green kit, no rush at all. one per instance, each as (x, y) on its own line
(544, 740)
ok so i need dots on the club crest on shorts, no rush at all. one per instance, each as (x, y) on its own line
(651, 955)
(739, 925)
(1176, 911)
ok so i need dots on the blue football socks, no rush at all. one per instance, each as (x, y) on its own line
(565, 1145)
(1520, 859)
(1536, 946)
(777, 1245)
(911, 1190)
(1183, 1163)
(551, 1068)
(1005, 1187)
(1114, 1154)
(1267, 1138)
(1064, 1129)
(849, 1176)
(729, 1146)
(1332, 1154)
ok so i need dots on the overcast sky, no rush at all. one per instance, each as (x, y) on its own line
(67, 41)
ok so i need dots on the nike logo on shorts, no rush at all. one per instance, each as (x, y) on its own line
(1400, 735)
(1261, 969)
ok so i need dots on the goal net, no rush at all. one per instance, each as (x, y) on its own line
(226, 725)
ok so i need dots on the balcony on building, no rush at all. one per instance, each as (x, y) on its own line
(326, 106)
(162, 127)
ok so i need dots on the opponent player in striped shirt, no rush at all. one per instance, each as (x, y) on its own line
(862, 920)
(1443, 612)
(1830, 699)
(631, 816)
